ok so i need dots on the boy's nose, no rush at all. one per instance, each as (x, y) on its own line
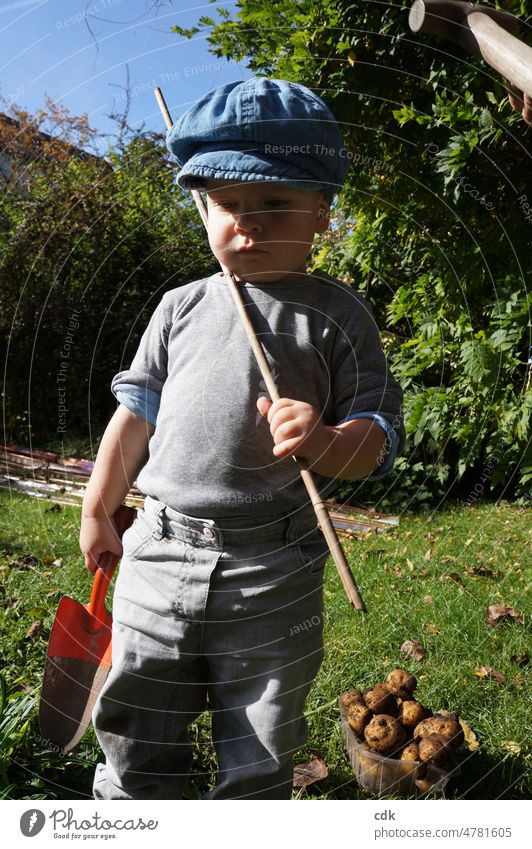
(247, 222)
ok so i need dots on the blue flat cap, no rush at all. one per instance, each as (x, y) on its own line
(260, 129)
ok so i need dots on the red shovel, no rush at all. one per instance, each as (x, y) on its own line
(79, 656)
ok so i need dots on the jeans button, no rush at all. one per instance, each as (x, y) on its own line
(208, 532)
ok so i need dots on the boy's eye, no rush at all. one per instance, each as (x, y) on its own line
(270, 203)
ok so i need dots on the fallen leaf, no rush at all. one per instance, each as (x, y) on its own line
(427, 599)
(481, 572)
(428, 554)
(431, 629)
(448, 558)
(499, 612)
(489, 672)
(48, 560)
(470, 738)
(310, 772)
(521, 659)
(455, 578)
(34, 630)
(413, 648)
(447, 714)
(510, 746)
(351, 57)
(26, 562)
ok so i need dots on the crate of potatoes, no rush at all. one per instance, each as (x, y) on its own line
(395, 744)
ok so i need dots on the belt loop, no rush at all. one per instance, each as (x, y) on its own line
(159, 531)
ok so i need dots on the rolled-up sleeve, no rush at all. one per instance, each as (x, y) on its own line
(363, 385)
(141, 401)
(391, 444)
(139, 387)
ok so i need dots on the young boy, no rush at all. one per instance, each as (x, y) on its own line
(219, 593)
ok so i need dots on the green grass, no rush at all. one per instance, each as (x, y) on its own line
(418, 582)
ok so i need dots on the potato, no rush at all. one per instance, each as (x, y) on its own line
(411, 713)
(402, 695)
(358, 716)
(400, 679)
(410, 752)
(435, 748)
(411, 763)
(384, 734)
(368, 765)
(350, 698)
(447, 714)
(440, 725)
(380, 700)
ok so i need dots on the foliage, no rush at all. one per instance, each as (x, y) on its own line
(432, 224)
(14, 724)
(88, 246)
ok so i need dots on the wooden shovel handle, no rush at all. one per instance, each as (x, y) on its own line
(481, 30)
(123, 518)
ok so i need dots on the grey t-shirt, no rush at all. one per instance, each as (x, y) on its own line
(211, 452)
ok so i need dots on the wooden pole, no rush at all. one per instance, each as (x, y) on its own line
(322, 515)
(483, 31)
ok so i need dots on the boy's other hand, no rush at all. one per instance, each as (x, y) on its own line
(521, 102)
(296, 428)
(98, 535)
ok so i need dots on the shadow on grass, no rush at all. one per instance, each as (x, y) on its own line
(489, 777)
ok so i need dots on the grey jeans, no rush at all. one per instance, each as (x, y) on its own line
(228, 615)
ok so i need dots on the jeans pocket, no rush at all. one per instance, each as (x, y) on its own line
(139, 534)
(313, 553)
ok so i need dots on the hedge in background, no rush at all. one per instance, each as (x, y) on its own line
(88, 246)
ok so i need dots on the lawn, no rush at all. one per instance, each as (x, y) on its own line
(430, 579)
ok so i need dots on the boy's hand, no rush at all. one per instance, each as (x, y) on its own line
(521, 102)
(296, 428)
(98, 536)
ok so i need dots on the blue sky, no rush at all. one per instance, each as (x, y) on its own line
(47, 48)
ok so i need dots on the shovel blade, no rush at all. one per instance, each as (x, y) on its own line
(78, 662)
(68, 696)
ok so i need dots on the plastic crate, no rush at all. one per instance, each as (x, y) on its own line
(380, 776)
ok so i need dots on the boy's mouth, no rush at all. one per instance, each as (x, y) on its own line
(251, 249)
